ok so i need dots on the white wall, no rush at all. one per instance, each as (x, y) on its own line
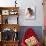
(27, 3)
(7, 3)
(39, 13)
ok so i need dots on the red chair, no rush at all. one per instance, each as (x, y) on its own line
(29, 33)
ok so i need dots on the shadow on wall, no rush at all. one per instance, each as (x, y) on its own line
(37, 29)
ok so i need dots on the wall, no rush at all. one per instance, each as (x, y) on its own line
(7, 3)
(23, 4)
(39, 15)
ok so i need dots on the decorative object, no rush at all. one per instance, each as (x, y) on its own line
(15, 3)
(5, 12)
(32, 41)
(13, 12)
(30, 13)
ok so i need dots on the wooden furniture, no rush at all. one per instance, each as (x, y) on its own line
(11, 26)
(10, 43)
(0, 43)
(44, 7)
(6, 12)
(44, 35)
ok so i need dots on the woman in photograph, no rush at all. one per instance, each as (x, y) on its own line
(29, 13)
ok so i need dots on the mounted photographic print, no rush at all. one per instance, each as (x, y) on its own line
(30, 13)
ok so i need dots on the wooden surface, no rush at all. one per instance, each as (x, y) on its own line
(10, 26)
(9, 43)
(44, 6)
(15, 9)
(12, 43)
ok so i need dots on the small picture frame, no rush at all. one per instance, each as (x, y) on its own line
(5, 12)
(30, 13)
(11, 13)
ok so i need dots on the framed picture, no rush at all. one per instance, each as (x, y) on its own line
(30, 13)
(5, 12)
(13, 12)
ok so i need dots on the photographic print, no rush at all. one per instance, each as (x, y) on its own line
(30, 13)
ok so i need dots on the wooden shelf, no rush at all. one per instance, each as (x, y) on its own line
(9, 26)
(9, 43)
(5, 11)
(5, 8)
